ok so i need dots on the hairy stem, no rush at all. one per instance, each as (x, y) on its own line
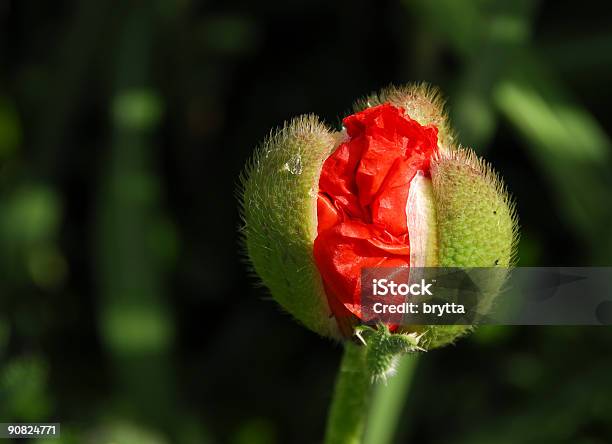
(349, 409)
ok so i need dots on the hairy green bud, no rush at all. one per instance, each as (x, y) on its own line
(458, 216)
(279, 207)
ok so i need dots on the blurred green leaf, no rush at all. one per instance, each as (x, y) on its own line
(10, 129)
(255, 431)
(23, 390)
(124, 432)
(47, 266)
(488, 335)
(137, 109)
(229, 34)
(4, 335)
(137, 330)
(31, 214)
(569, 145)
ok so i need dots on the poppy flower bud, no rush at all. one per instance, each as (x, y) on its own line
(389, 190)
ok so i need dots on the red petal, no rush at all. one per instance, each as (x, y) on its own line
(363, 191)
(327, 214)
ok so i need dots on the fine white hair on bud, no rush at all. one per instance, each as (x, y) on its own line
(477, 219)
(421, 101)
(279, 209)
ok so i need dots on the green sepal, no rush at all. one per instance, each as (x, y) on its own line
(384, 348)
(477, 222)
(279, 209)
(477, 227)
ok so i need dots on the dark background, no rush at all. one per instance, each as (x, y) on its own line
(126, 309)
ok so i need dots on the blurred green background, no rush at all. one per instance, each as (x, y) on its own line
(126, 310)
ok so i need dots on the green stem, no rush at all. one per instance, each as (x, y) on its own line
(349, 409)
(388, 402)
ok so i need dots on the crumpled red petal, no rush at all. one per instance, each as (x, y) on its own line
(363, 191)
